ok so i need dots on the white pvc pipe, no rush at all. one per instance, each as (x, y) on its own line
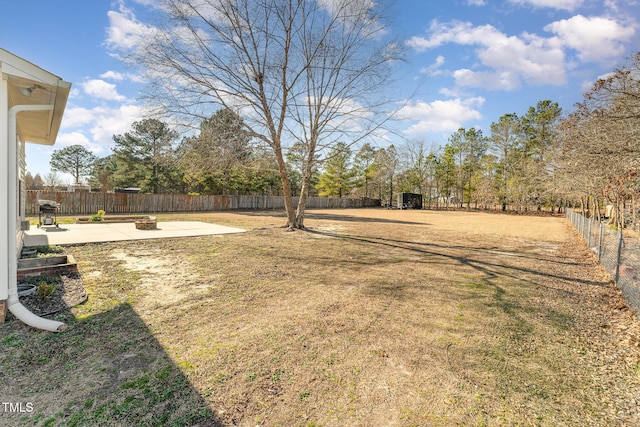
(13, 302)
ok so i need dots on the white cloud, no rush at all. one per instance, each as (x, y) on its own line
(476, 2)
(595, 38)
(434, 69)
(490, 80)
(440, 115)
(569, 5)
(113, 121)
(125, 32)
(102, 90)
(94, 128)
(112, 75)
(616, 6)
(72, 138)
(79, 138)
(151, 3)
(75, 117)
(536, 60)
(587, 85)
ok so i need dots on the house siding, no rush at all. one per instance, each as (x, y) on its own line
(5, 239)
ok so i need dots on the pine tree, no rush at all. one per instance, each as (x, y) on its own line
(338, 176)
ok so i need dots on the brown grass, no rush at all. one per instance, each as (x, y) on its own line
(371, 317)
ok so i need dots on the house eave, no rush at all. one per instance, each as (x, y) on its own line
(29, 84)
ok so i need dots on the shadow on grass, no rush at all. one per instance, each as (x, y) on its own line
(483, 260)
(487, 267)
(107, 369)
(310, 214)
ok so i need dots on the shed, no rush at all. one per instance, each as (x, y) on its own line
(409, 201)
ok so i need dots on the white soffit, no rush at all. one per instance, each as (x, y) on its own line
(29, 84)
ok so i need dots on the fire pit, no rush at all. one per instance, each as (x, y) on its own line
(149, 223)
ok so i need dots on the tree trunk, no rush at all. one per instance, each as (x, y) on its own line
(307, 173)
(302, 205)
(286, 188)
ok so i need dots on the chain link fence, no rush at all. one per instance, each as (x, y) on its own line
(620, 256)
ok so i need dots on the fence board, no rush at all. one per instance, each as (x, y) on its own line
(85, 203)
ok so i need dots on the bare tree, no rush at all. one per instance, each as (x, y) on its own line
(599, 154)
(414, 157)
(52, 181)
(296, 71)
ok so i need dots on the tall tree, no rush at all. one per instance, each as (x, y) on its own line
(221, 144)
(144, 156)
(598, 156)
(505, 138)
(446, 172)
(419, 165)
(221, 156)
(470, 147)
(101, 175)
(387, 161)
(540, 127)
(37, 182)
(364, 167)
(299, 71)
(338, 175)
(75, 160)
(28, 181)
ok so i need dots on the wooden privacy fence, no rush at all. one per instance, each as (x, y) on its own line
(85, 203)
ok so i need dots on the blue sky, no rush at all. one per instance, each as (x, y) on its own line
(470, 60)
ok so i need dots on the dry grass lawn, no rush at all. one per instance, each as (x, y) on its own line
(370, 318)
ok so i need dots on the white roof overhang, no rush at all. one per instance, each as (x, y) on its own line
(29, 84)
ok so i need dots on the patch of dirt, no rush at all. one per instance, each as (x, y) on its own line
(178, 283)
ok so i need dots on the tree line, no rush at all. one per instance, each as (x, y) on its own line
(296, 90)
(541, 158)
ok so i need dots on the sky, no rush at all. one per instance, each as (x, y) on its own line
(468, 62)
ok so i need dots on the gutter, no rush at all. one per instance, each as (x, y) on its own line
(13, 302)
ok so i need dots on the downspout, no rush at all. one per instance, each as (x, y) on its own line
(13, 302)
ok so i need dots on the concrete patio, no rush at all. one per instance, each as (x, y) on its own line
(70, 234)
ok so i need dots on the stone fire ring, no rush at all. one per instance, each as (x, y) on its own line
(149, 223)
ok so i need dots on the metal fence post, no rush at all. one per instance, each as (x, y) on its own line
(579, 223)
(619, 258)
(600, 241)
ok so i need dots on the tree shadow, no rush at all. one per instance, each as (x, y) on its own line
(482, 260)
(487, 267)
(310, 214)
(106, 369)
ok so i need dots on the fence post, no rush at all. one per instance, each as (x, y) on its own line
(589, 226)
(619, 258)
(600, 241)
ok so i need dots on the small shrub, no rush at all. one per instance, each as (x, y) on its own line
(98, 216)
(48, 249)
(45, 290)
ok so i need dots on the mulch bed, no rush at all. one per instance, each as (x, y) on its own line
(69, 293)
